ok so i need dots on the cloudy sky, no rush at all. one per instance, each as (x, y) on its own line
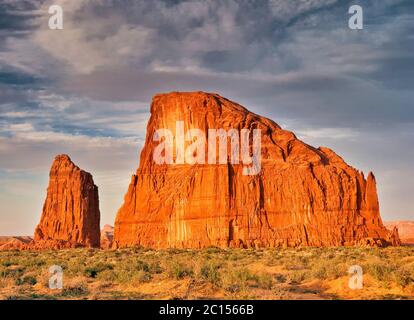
(85, 90)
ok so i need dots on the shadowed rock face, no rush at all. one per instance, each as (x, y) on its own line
(70, 216)
(302, 196)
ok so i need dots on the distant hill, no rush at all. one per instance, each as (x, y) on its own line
(107, 235)
(7, 243)
(405, 229)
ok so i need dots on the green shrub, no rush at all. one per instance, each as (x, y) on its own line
(155, 267)
(74, 290)
(107, 275)
(26, 280)
(238, 279)
(93, 270)
(7, 263)
(143, 276)
(213, 250)
(178, 270)
(332, 269)
(296, 277)
(280, 278)
(210, 272)
(320, 272)
(265, 281)
(11, 273)
(142, 266)
(404, 277)
(381, 271)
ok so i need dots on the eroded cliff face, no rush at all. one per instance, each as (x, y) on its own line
(70, 216)
(302, 196)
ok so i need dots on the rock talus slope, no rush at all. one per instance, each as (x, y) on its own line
(302, 196)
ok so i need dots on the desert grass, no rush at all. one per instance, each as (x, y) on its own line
(137, 273)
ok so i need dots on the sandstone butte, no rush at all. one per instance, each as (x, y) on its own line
(70, 216)
(303, 196)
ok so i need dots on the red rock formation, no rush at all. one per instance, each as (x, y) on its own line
(302, 196)
(70, 216)
(405, 230)
(107, 236)
(14, 243)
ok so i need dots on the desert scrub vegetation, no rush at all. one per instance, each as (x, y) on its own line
(138, 273)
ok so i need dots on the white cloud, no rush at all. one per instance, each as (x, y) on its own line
(91, 42)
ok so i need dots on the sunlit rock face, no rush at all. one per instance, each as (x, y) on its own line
(302, 196)
(70, 216)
